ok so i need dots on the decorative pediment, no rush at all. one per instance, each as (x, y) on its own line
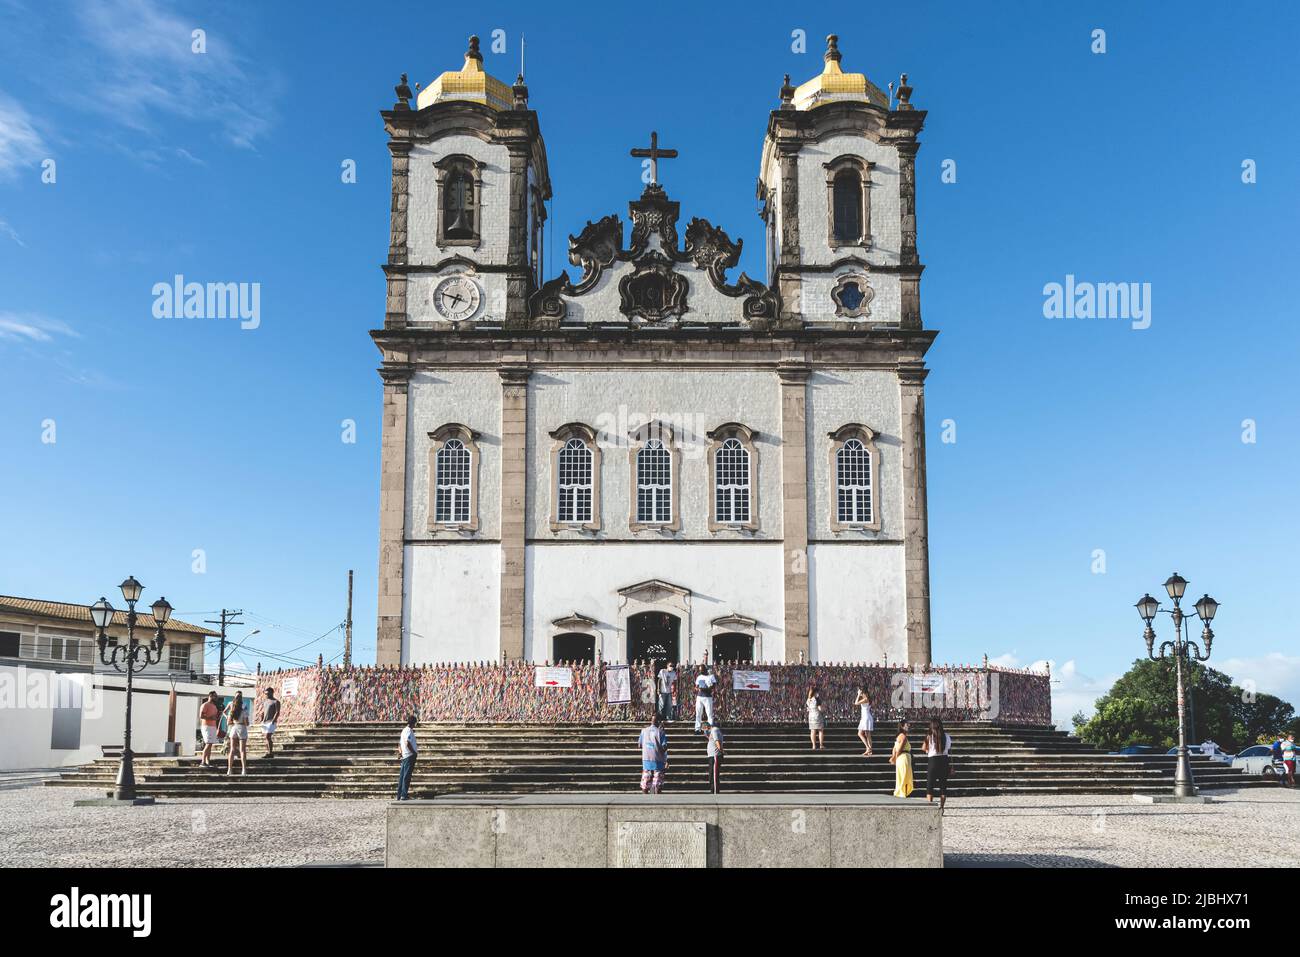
(575, 622)
(653, 591)
(736, 623)
(655, 288)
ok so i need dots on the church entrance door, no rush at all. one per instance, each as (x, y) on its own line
(654, 636)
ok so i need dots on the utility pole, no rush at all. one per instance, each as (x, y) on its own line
(347, 634)
(228, 617)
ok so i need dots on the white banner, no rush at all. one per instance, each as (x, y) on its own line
(553, 678)
(925, 684)
(289, 688)
(751, 680)
(618, 684)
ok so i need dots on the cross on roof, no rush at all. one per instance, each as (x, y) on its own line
(655, 154)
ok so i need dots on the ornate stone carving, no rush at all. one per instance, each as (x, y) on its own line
(852, 296)
(653, 291)
(595, 249)
(654, 214)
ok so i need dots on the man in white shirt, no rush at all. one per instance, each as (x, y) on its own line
(704, 686)
(408, 749)
(715, 752)
(667, 679)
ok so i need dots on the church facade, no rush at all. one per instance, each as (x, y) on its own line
(653, 458)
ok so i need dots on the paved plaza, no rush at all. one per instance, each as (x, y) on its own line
(1247, 828)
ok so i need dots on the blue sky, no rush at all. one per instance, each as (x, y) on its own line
(1072, 435)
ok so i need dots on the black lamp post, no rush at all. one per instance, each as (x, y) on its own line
(1181, 649)
(129, 659)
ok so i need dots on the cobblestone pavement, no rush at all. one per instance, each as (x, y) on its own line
(40, 827)
(1249, 827)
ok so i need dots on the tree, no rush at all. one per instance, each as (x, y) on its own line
(1142, 708)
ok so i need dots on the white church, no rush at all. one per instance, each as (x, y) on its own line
(653, 458)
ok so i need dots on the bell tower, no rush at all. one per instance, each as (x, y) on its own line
(837, 182)
(470, 185)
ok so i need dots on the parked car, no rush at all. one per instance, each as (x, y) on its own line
(1137, 749)
(1257, 759)
(1195, 749)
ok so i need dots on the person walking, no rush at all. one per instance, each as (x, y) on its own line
(901, 759)
(209, 715)
(237, 734)
(704, 685)
(867, 722)
(1276, 758)
(407, 749)
(715, 752)
(938, 747)
(653, 743)
(816, 719)
(667, 679)
(270, 714)
(1288, 759)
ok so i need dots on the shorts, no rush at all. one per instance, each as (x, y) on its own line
(238, 731)
(209, 734)
(268, 727)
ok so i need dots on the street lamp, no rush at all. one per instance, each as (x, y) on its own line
(1181, 649)
(129, 659)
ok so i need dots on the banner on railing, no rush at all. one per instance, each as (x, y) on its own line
(925, 684)
(553, 678)
(751, 680)
(618, 684)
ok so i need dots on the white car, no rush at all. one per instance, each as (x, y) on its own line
(1195, 750)
(1257, 759)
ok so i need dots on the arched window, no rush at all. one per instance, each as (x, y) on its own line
(453, 465)
(654, 479)
(733, 459)
(574, 499)
(731, 478)
(848, 189)
(460, 183)
(853, 483)
(654, 484)
(451, 500)
(575, 479)
(848, 207)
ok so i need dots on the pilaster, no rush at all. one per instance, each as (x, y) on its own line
(793, 375)
(916, 547)
(392, 514)
(514, 456)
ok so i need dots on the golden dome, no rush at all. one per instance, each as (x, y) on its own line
(469, 83)
(834, 84)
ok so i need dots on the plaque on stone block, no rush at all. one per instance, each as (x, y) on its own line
(661, 844)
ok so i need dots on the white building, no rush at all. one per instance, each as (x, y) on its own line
(653, 458)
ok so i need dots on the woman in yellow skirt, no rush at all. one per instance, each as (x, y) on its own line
(901, 759)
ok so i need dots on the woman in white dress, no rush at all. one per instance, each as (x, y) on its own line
(867, 723)
(816, 719)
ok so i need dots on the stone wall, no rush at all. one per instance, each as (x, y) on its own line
(488, 692)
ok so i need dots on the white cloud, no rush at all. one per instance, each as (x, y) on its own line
(1273, 673)
(30, 327)
(1072, 690)
(145, 66)
(11, 232)
(21, 147)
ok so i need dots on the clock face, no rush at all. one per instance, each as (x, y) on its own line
(457, 298)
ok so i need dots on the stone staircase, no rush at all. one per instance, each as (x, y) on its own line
(360, 761)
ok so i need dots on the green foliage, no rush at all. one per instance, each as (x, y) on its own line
(1142, 708)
